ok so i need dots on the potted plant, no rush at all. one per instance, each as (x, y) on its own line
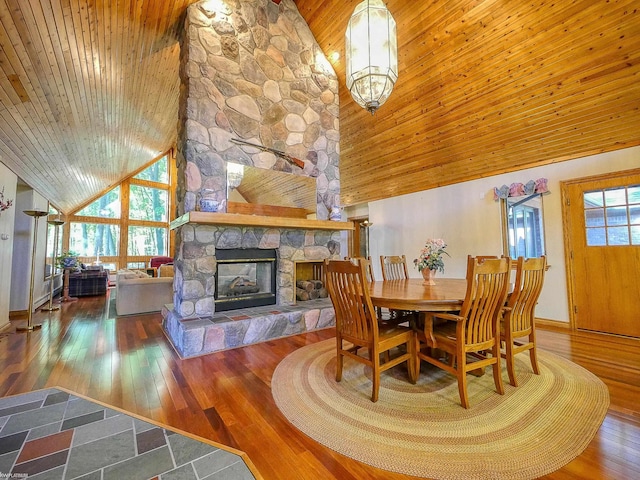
(67, 259)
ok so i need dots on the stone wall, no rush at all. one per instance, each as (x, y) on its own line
(251, 70)
(200, 243)
(256, 73)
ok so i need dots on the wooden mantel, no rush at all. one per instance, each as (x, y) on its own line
(241, 220)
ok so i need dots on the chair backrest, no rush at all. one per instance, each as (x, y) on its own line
(526, 291)
(481, 257)
(368, 266)
(487, 285)
(349, 294)
(157, 261)
(394, 267)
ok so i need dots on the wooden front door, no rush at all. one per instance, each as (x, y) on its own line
(602, 230)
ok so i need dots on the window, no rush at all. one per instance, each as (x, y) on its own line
(523, 219)
(93, 239)
(158, 172)
(612, 216)
(107, 206)
(148, 241)
(146, 203)
(128, 224)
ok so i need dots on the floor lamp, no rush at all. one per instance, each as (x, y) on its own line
(56, 224)
(36, 214)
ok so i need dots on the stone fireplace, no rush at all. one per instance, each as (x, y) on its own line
(250, 71)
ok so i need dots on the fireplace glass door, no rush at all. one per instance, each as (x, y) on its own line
(245, 278)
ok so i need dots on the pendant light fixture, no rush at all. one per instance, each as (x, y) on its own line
(372, 54)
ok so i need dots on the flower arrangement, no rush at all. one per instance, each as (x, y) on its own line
(431, 255)
(4, 205)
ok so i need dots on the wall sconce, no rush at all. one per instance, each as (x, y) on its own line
(372, 54)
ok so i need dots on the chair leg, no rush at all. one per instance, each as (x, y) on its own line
(497, 371)
(339, 360)
(376, 376)
(533, 355)
(462, 388)
(510, 362)
(411, 362)
(533, 352)
(461, 363)
(416, 358)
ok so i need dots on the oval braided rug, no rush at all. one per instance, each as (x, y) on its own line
(422, 430)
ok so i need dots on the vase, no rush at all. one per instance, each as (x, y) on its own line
(69, 262)
(429, 276)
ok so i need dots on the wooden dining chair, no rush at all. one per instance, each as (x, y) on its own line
(474, 333)
(357, 326)
(518, 320)
(384, 314)
(394, 267)
(368, 266)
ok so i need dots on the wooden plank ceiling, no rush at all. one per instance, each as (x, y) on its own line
(487, 87)
(89, 90)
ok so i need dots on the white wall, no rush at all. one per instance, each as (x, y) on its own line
(467, 218)
(28, 199)
(9, 182)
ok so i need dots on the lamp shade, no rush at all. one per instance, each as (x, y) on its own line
(372, 54)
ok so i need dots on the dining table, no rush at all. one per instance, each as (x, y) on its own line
(415, 295)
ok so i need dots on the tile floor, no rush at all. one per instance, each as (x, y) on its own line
(52, 434)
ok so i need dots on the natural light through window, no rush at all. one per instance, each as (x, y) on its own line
(612, 216)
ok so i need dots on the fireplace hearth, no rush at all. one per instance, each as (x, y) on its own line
(245, 278)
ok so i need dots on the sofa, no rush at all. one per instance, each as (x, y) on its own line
(88, 282)
(138, 293)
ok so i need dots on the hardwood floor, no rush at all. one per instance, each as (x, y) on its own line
(226, 397)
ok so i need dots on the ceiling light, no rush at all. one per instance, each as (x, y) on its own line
(372, 54)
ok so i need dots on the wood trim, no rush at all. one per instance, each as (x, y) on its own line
(547, 323)
(353, 239)
(266, 210)
(239, 220)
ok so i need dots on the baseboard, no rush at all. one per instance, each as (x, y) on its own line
(7, 326)
(544, 322)
(17, 314)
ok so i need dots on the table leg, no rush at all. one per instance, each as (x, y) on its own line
(65, 289)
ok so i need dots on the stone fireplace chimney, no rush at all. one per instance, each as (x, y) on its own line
(251, 71)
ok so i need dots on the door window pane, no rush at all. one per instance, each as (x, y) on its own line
(634, 214)
(620, 217)
(594, 217)
(617, 216)
(617, 196)
(618, 236)
(147, 203)
(596, 237)
(593, 199)
(93, 239)
(150, 241)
